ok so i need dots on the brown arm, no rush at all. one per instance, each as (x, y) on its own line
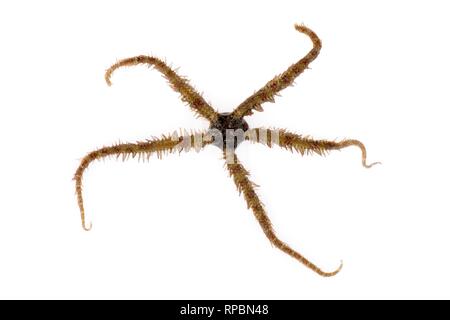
(241, 178)
(178, 83)
(268, 92)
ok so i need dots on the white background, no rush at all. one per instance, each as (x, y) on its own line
(177, 228)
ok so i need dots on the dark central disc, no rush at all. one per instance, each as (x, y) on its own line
(228, 131)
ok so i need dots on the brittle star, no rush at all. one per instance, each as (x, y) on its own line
(218, 134)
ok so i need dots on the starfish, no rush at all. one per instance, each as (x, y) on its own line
(227, 131)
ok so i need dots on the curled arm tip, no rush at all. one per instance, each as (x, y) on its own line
(88, 227)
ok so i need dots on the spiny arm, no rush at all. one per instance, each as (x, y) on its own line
(268, 92)
(241, 178)
(141, 149)
(178, 83)
(304, 145)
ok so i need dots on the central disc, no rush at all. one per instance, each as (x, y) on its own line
(227, 131)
